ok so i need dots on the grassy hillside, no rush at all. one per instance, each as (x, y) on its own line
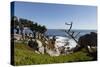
(26, 56)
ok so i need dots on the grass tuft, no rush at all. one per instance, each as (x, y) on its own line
(24, 55)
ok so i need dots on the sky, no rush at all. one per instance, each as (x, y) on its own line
(54, 16)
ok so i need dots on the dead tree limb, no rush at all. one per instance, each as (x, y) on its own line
(71, 34)
(77, 34)
(70, 26)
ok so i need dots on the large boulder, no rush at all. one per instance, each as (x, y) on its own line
(88, 39)
(17, 37)
(33, 44)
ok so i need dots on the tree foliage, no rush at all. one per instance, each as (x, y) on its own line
(21, 22)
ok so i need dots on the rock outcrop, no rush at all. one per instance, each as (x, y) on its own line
(89, 41)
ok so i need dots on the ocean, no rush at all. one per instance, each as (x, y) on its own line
(59, 32)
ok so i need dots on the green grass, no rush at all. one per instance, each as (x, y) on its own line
(26, 56)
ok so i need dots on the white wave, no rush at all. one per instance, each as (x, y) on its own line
(65, 41)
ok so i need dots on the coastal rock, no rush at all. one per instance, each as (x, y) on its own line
(88, 39)
(36, 45)
(33, 44)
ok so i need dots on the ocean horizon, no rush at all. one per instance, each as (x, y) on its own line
(60, 32)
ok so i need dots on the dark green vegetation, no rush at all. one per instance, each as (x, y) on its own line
(24, 55)
(20, 23)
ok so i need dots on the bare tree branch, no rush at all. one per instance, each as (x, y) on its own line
(67, 23)
(71, 34)
(77, 34)
(70, 26)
